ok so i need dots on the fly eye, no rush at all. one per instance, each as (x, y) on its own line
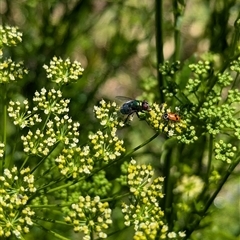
(145, 105)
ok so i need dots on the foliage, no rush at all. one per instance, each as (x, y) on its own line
(72, 174)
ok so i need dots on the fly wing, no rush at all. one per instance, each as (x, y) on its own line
(123, 99)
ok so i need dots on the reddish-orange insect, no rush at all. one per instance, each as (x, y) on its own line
(171, 116)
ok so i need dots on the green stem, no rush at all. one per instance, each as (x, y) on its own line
(92, 234)
(235, 37)
(159, 46)
(235, 81)
(195, 224)
(210, 151)
(167, 186)
(114, 198)
(45, 123)
(138, 147)
(115, 232)
(177, 35)
(51, 206)
(51, 220)
(224, 179)
(61, 186)
(52, 232)
(44, 158)
(4, 125)
(25, 161)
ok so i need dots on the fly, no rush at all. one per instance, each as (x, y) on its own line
(132, 106)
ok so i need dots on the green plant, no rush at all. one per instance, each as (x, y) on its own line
(53, 180)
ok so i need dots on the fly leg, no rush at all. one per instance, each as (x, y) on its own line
(137, 114)
(128, 116)
(140, 117)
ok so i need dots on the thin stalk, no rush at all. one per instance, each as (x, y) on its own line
(177, 35)
(210, 151)
(167, 186)
(50, 220)
(116, 197)
(140, 146)
(61, 187)
(218, 189)
(52, 232)
(195, 224)
(4, 125)
(44, 158)
(25, 161)
(46, 120)
(235, 38)
(159, 45)
(235, 81)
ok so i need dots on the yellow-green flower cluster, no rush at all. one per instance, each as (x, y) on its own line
(159, 123)
(51, 102)
(37, 143)
(144, 212)
(2, 147)
(189, 187)
(21, 115)
(102, 148)
(40, 142)
(9, 36)
(107, 114)
(63, 72)
(140, 182)
(225, 151)
(11, 71)
(64, 129)
(146, 218)
(105, 146)
(75, 162)
(15, 189)
(90, 216)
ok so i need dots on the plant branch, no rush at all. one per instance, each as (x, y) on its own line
(211, 199)
(159, 46)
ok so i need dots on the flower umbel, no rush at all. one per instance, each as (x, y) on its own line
(102, 148)
(9, 36)
(16, 188)
(107, 113)
(90, 215)
(144, 212)
(11, 71)
(21, 115)
(63, 72)
(51, 102)
(189, 187)
(159, 123)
